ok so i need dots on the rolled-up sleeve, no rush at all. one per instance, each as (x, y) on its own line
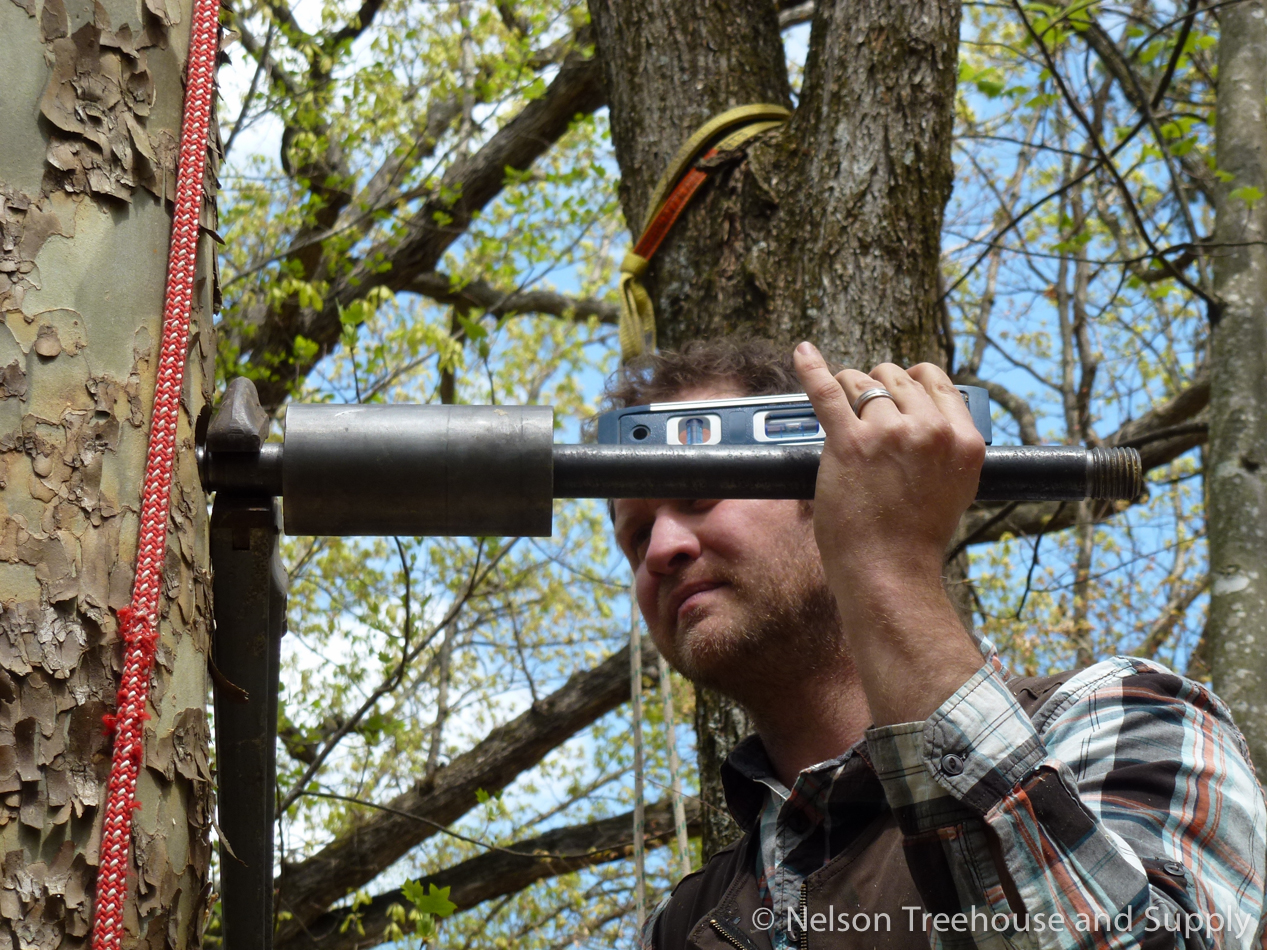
(1125, 814)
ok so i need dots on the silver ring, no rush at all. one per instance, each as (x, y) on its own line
(878, 392)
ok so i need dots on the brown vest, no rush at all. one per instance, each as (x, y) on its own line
(713, 908)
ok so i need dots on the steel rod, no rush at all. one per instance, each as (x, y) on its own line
(1011, 473)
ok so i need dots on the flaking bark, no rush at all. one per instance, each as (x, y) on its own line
(83, 248)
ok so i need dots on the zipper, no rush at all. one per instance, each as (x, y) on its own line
(735, 938)
(802, 939)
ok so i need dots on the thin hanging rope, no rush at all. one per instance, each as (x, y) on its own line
(138, 623)
(639, 810)
(675, 768)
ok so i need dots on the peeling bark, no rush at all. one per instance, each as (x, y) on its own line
(83, 239)
(1236, 477)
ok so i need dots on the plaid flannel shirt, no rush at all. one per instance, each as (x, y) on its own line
(1126, 814)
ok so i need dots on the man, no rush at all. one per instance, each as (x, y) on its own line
(902, 788)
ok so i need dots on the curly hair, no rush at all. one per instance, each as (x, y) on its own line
(754, 366)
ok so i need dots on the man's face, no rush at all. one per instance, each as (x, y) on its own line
(733, 590)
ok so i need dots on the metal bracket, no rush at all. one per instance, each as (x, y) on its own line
(249, 589)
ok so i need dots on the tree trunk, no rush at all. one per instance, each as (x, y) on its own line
(1236, 479)
(829, 230)
(90, 117)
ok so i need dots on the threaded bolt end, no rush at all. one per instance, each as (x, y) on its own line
(1114, 474)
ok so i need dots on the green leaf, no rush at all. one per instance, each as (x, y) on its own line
(1151, 51)
(354, 314)
(434, 901)
(474, 329)
(1248, 194)
(305, 349)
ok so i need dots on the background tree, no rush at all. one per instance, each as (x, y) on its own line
(90, 114)
(1238, 399)
(791, 241)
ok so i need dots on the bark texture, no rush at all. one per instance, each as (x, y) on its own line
(1236, 476)
(90, 117)
(827, 229)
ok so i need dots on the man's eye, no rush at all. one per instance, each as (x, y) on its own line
(638, 540)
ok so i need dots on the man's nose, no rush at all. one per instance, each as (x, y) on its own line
(673, 543)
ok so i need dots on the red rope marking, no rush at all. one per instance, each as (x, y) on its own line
(138, 623)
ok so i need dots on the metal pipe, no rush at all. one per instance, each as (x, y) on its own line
(250, 614)
(1014, 473)
(1011, 472)
(247, 473)
(674, 471)
(494, 470)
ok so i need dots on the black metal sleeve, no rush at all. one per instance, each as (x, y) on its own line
(245, 473)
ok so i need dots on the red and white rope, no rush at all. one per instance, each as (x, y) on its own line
(138, 623)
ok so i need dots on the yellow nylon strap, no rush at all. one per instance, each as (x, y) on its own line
(739, 116)
(637, 316)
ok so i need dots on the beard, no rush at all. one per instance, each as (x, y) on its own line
(782, 628)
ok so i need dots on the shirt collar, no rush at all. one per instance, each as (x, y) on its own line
(748, 776)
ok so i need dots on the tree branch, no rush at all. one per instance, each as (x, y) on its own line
(369, 847)
(1115, 62)
(576, 90)
(1181, 599)
(1162, 434)
(480, 295)
(475, 181)
(499, 873)
(791, 14)
(1106, 160)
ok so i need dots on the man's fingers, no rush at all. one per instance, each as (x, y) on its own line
(829, 400)
(855, 384)
(908, 395)
(944, 395)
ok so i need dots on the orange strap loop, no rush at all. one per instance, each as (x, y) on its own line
(673, 192)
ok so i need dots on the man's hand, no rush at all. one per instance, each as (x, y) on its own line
(891, 489)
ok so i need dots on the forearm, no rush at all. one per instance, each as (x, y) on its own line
(907, 643)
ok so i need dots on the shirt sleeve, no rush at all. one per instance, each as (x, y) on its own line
(1126, 815)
